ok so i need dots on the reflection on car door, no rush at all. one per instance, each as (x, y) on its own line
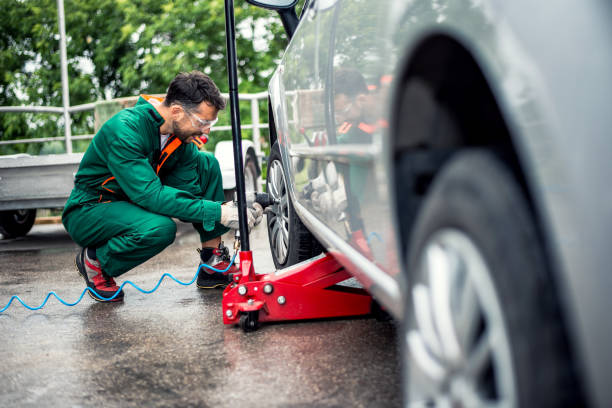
(335, 84)
(303, 86)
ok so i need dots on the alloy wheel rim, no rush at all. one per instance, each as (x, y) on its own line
(278, 219)
(458, 348)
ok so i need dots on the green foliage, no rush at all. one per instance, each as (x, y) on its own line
(121, 48)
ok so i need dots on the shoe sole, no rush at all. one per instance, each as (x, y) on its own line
(215, 286)
(220, 285)
(89, 292)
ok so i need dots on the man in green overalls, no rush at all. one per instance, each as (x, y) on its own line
(140, 170)
(356, 117)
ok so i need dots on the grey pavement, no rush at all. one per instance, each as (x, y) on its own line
(171, 348)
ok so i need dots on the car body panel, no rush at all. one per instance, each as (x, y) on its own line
(548, 67)
(557, 111)
(298, 87)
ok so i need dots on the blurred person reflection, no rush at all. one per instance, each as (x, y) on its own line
(354, 112)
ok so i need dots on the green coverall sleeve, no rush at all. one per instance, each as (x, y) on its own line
(127, 162)
(199, 173)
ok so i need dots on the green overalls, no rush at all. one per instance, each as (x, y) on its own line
(126, 190)
(359, 133)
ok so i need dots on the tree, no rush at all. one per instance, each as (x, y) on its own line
(120, 48)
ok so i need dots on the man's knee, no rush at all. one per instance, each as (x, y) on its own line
(214, 165)
(161, 232)
(211, 181)
(208, 163)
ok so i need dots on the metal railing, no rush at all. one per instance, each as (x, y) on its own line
(255, 124)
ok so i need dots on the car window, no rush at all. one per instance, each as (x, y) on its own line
(301, 7)
(360, 74)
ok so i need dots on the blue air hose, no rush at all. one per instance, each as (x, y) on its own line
(120, 288)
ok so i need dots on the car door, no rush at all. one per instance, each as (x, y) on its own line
(360, 74)
(336, 179)
(344, 183)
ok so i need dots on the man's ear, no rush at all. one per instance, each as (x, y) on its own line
(176, 112)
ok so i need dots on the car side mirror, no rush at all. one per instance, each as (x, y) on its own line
(273, 4)
(286, 10)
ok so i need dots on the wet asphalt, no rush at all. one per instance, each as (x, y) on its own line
(170, 348)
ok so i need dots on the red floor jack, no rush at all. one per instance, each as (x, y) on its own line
(304, 291)
(307, 290)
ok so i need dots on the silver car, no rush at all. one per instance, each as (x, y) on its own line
(455, 157)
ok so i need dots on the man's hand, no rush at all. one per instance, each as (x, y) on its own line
(229, 215)
(257, 211)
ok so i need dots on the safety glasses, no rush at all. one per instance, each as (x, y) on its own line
(202, 124)
(340, 114)
(346, 109)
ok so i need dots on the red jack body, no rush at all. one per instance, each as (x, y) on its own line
(307, 290)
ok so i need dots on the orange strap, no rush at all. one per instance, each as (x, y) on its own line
(106, 188)
(344, 128)
(106, 181)
(173, 144)
(151, 98)
(386, 79)
(367, 128)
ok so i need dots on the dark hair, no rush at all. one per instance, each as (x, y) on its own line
(350, 82)
(189, 89)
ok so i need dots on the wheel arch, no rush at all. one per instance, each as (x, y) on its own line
(454, 78)
(448, 72)
(456, 81)
(271, 124)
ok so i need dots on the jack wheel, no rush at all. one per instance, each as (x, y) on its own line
(249, 321)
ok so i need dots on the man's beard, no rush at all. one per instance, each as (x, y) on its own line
(182, 135)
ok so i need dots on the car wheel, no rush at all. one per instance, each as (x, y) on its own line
(482, 324)
(290, 241)
(16, 223)
(250, 175)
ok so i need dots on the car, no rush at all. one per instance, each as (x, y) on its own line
(224, 153)
(454, 157)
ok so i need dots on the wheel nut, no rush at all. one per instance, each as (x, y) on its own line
(242, 290)
(268, 288)
(281, 300)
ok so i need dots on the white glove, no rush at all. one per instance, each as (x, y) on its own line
(229, 215)
(257, 210)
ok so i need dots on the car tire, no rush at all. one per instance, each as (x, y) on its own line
(16, 223)
(495, 332)
(290, 241)
(250, 174)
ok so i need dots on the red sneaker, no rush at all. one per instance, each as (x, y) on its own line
(220, 259)
(103, 285)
